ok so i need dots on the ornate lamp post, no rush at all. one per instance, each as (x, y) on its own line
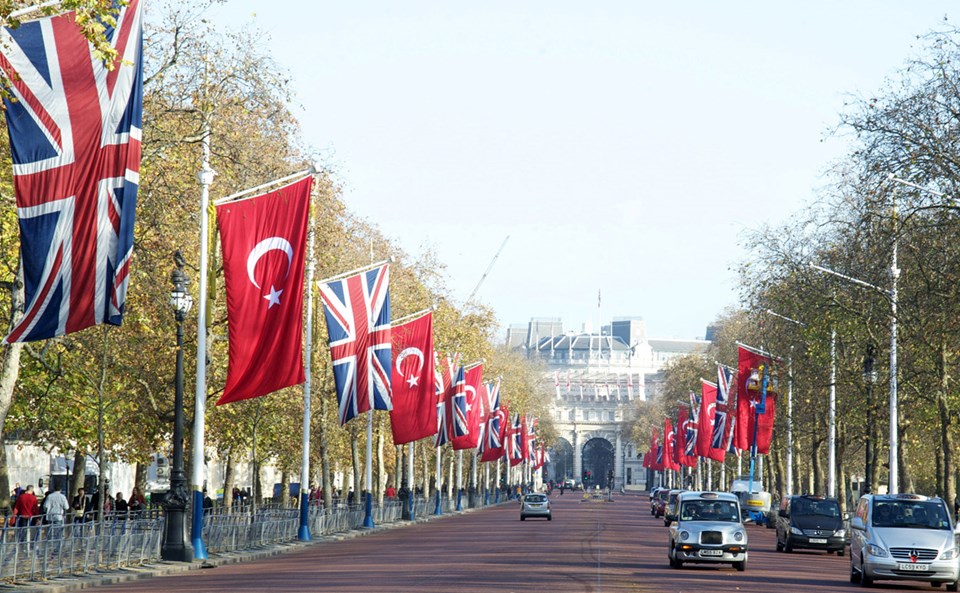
(869, 378)
(175, 546)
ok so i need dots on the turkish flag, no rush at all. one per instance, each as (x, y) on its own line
(668, 443)
(708, 408)
(414, 414)
(264, 242)
(473, 389)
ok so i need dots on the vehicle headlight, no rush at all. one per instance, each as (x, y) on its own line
(949, 554)
(839, 533)
(875, 550)
(684, 535)
(796, 531)
(738, 536)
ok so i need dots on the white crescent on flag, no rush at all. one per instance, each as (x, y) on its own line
(405, 353)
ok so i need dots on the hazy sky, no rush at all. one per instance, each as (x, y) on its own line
(623, 146)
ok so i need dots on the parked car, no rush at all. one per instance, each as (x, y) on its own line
(653, 500)
(570, 484)
(670, 507)
(811, 522)
(903, 537)
(660, 502)
(708, 530)
(535, 505)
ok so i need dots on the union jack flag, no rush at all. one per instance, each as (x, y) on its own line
(494, 424)
(75, 133)
(516, 442)
(719, 429)
(461, 424)
(493, 395)
(724, 376)
(441, 375)
(690, 436)
(357, 309)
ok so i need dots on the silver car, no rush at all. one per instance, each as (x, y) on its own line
(903, 537)
(535, 505)
(708, 529)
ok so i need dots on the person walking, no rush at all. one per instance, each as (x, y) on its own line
(55, 508)
(24, 510)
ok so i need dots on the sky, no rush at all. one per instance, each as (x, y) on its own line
(625, 147)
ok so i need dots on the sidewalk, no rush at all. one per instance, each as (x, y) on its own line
(162, 568)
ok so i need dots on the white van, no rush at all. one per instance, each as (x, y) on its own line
(899, 537)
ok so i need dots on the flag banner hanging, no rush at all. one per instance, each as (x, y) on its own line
(756, 395)
(687, 432)
(652, 453)
(669, 441)
(357, 310)
(472, 391)
(531, 438)
(708, 406)
(517, 442)
(442, 374)
(493, 440)
(414, 414)
(264, 242)
(75, 130)
(718, 450)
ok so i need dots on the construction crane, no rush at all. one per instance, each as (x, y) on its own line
(487, 271)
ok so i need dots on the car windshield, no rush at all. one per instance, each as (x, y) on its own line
(916, 514)
(709, 510)
(535, 498)
(806, 506)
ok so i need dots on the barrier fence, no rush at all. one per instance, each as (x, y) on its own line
(47, 551)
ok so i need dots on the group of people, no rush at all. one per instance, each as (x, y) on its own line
(55, 509)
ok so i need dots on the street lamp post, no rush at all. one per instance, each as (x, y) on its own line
(175, 546)
(869, 378)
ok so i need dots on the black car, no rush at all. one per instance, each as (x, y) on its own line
(810, 522)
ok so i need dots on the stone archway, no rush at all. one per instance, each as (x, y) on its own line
(561, 461)
(598, 460)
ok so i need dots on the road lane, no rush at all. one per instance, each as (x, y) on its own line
(589, 547)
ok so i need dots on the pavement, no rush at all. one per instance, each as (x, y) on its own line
(165, 569)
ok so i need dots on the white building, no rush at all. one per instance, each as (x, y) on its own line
(597, 379)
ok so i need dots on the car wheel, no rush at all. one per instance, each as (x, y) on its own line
(549, 517)
(787, 546)
(740, 566)
(865, 581)
(779, 545)
(854, 575)
(523, 517)
(841, 552)
(954, 586)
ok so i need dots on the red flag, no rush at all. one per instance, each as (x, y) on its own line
(669, 440)
(472, 389)
(750, 370)
(708, 406)
(264, 245)
(496, 434)
(652, 453)
(414, 414)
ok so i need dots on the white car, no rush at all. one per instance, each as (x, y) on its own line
(896, 537)
(708, 530)
(535, 505)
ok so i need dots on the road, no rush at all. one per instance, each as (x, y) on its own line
(589, 547)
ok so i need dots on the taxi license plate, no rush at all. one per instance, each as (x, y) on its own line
(711, 552)
(913, 567)
(754, 503)
(817, 540)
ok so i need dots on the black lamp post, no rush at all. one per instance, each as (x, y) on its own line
(869, 378)
(175, 546)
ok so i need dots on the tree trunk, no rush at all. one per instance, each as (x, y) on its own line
(79, 471)
(139, 477)
(229, 481)
(946, 435)
(381, 468)
(9, 374)
(355, 457)
(816, 466)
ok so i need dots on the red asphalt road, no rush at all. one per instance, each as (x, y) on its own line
(589, 547)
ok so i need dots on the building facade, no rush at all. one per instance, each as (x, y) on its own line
(598, 378)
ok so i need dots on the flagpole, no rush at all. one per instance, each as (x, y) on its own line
(438, 510)
(303, 533)
(356, 271)
(459, 479)
(412, 316)
(496, 486)
(232, 197)
(410, 488)
(200, 400)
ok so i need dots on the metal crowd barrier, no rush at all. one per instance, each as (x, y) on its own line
(40, 552)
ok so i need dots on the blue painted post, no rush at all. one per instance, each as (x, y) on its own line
(303, 533)
(439, 509)
(459, 497)
(368, 512)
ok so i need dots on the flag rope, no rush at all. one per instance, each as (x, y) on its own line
(356, 271)
(412, 316)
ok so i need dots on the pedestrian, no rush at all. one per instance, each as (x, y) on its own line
(55, 507)
(137, 502)
(79, 505)
(207, 502)
(24, 510)
(390, 492)
(121, 506)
